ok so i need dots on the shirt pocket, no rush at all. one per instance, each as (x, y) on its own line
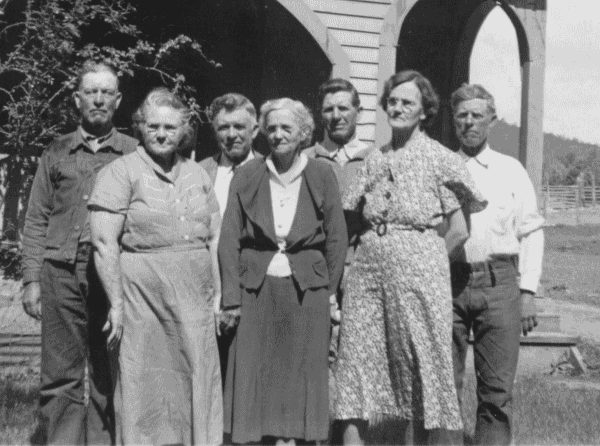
(68, 178)
(503, 207)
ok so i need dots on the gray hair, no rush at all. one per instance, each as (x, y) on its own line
(90, 66)
(163, 97)
(466, 92)
(302, 114)
(230, 102)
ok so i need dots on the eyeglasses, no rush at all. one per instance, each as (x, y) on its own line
(406, 106)
(153, 129)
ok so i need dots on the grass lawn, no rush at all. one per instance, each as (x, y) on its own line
(548, 411)
(571, 264)
(18, 405)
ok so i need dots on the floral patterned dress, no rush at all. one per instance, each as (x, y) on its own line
(395, 356)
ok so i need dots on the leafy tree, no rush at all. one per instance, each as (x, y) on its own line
(554, 172)
(39, 57)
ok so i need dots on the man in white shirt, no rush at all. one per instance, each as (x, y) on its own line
(495, 280)
(235, 125)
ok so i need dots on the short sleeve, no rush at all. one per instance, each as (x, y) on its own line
(112, 189)
(456, 187)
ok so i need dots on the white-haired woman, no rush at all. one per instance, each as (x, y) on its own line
(281, 255)
(154, 222)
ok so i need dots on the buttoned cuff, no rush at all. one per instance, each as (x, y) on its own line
(529, 283)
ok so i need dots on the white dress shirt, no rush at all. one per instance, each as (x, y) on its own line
(224, 177)
(343, 154)
(511, 223)
(285, 189)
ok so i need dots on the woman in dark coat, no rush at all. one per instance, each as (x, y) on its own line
(281, 255)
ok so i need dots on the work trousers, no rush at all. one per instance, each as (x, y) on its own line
(487, 300)
(74, 309)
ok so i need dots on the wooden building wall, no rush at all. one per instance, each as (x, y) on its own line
(356, 25)
(368, 32)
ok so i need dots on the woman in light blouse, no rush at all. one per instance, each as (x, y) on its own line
(155, 221)
(281, 257)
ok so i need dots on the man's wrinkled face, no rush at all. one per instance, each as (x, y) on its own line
(473, 122)
(97, 98)
(340, 116)
(235, 131)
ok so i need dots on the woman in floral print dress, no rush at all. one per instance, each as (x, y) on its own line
(395, 357)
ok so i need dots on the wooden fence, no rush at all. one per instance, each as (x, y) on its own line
(558, 198)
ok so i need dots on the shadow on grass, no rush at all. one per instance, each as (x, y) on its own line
(546, 411)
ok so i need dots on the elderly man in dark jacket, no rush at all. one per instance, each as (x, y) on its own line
(61, 287)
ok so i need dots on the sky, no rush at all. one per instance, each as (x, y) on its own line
(572, 83)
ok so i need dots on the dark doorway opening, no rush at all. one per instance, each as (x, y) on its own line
(263, 50)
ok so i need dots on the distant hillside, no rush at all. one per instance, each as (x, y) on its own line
(555, 147)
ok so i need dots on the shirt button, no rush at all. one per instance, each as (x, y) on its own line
(186, 237)
(77, 228)
(182, 218)
(171, 186)
(178, 201)
(86, 197)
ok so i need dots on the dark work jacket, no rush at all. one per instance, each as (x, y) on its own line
(316, 244)
(57, 214)
(345, 175)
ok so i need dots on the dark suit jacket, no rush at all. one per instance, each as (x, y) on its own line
(211, 164)
(316, 244)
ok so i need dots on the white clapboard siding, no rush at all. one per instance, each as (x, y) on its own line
(356, 25)
(368, 101)
(366, 132)
(363, 70)
(369, 55)
(356, 38)
(351, 23)
(347, 7)
(367, 117)
(367, 86)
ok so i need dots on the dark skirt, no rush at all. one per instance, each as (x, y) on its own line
(277, 375)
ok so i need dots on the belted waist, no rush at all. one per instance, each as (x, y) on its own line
(500, 268)
(382, 228)
(495, 261)
(180, 247)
